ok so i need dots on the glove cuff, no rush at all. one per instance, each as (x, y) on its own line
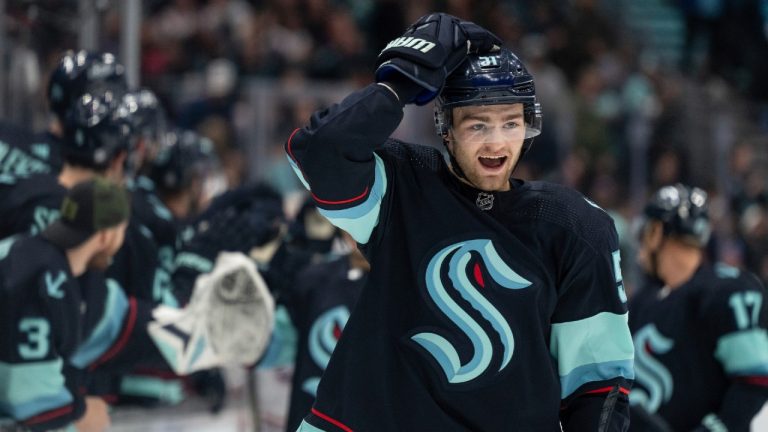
(409, 86)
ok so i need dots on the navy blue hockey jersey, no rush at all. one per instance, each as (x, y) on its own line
(512, 317)
(23, 153)
(702, 350)
(29, 204)
(319, 303)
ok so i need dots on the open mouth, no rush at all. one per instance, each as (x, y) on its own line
(492, 161)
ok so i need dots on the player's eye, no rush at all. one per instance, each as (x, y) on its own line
(512, 125)
(476, 126)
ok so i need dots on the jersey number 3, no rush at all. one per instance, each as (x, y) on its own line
(37, 331)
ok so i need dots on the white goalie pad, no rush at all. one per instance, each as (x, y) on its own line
(228, 320)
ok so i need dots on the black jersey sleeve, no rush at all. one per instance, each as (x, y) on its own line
(590, 339)
(334, 158)
(738, 317)
(114, 328)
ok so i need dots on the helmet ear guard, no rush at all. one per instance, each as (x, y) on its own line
(442, 121)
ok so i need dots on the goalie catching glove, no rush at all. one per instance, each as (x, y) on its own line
(228, 320)
(433, 47)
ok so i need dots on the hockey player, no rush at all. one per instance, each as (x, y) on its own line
(319, 303)
(41, 305)
(162, 201)
(492, 303)
(700, 331)
(23, 153)
(179, 170)
(150, 131)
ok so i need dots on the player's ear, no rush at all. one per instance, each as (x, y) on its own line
(115, 168)
(448, 140)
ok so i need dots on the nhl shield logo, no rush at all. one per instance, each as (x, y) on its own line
(484, 201)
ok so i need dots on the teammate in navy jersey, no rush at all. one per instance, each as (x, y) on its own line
(493, 303)
(43, 305)
(23, 153)
(699, 330)
(319, 303)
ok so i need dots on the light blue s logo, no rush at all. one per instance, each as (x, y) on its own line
(443, 351)
(325, 332)
(650, 372)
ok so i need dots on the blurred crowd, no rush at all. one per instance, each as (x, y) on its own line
(635, 94)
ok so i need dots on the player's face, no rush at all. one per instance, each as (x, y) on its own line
(111, 243)
(486, 141)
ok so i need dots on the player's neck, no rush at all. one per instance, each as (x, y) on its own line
(178, 204)
(678, 263)
(72, 175)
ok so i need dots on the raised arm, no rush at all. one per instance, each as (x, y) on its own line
(334, 155)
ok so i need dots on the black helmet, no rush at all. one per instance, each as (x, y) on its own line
(682, 210)
(147, 114)
(183, 155)
(96, 128)
(82, 72)
(148, 124)
(490, 79)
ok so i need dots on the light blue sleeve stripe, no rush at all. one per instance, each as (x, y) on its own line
(28, 389)
(595, 372)
(282, 347)
(744, 352)
(306, 427)
(106, 331)
(166, 390)
(298, 172)
(193, 261)
(359, 221)
(592, 349)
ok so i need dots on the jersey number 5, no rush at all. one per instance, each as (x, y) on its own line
(37, 331)
(742, 303)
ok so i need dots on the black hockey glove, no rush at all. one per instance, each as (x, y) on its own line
(432, 48)
(238, 220)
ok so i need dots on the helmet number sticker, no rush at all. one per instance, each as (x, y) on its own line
(489, 61)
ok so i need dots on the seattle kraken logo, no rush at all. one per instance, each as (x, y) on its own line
(459, 256)
(651, 373)
(323, 335)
